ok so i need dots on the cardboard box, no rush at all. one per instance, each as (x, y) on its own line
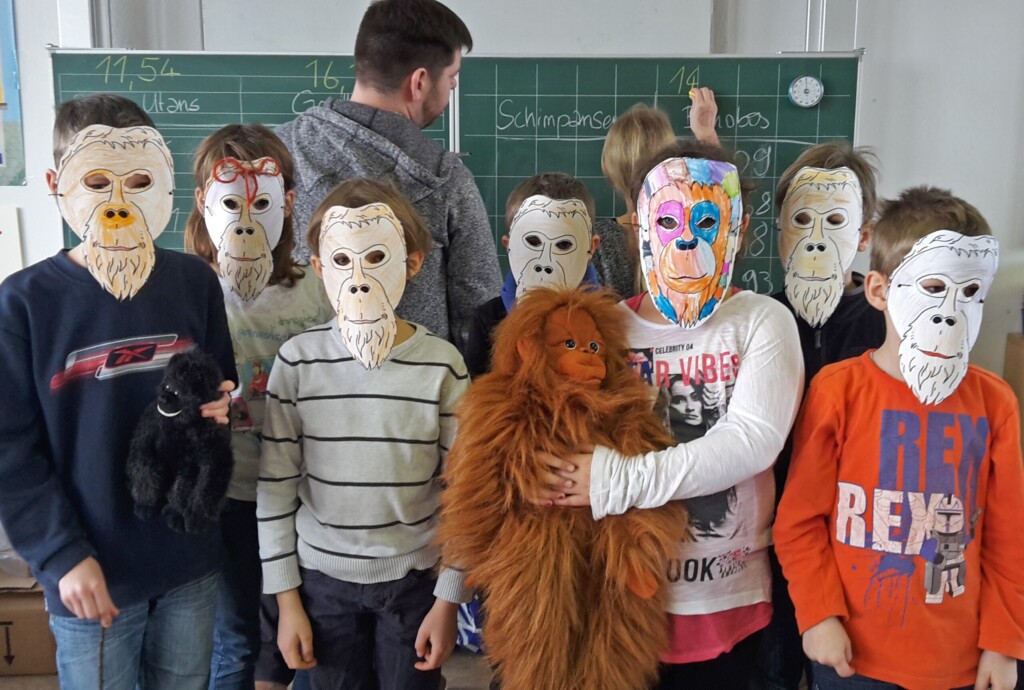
(26, 643)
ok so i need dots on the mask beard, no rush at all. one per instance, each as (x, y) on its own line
(932, 379)
(370, 343)
(246, 278)
(122, 273)
(815, 301)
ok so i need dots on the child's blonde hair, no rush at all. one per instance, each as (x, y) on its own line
(245, 143)
(634, 136)
(361, 191)
(916, 213)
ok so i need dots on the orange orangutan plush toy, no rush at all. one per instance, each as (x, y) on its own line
(571, 603)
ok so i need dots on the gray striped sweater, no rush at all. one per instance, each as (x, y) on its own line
(349, 472)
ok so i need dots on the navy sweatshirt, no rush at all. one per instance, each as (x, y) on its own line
(78, 367)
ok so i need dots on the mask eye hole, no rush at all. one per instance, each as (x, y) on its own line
(533, 241)
(836, 219)
(802, 219)
(565, 246)
(262, 203)
(668, 222)
(376, 257)
(97, 181)
(706, 223)
(595, 346)
(933, 286)
(971, 290)
(341, 259)
(570, 344)
(138, 182)
(232, 204)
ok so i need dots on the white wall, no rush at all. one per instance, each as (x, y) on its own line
(36, 24)
(941, 102)
(523, 27)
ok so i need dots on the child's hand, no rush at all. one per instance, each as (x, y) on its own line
(438, 632)
(218, 409)
(83, 589)
(579, 493)
(703, 113)
(554, 486)
(996, 671)
(294, 633)
(828, 644)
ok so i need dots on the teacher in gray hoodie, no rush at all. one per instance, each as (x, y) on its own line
(407, 58)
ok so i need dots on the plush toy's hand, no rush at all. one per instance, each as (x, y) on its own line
(641, 582)
(219, 408)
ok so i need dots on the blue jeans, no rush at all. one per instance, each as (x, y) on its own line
(236, 633)
(160, 644)
(826, 678)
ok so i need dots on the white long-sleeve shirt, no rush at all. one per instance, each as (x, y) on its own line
(748, 370)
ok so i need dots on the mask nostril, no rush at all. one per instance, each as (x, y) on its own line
(950, 321)
(249, 231)
(936, 319)
(238, 231)
(548, 270)
(122, 213)
(365, 288)
(109, 214)
(821, 247)
(809, 247)
(353, 289)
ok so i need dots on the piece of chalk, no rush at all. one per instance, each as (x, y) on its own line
(691, 93)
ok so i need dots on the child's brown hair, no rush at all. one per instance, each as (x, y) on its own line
(554, 185)
(245, 143)
(94, 109)
(917, 212)
(361, 191)
(831, 155)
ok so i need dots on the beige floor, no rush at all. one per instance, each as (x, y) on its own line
(464, 671)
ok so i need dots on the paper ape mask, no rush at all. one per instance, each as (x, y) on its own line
(114, 188)
(244, 209)
(819, 227)
(549, 243)
(364, 268)
(690, 215)
(935, 300)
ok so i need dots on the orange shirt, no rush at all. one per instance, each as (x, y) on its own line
(907, 522)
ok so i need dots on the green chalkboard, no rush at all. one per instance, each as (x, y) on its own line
(191, 95)
(520, 116)
(515, 116)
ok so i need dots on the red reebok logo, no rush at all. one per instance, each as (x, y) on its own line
(130, 355)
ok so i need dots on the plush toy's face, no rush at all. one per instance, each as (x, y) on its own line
(190, 379)
(575, 347)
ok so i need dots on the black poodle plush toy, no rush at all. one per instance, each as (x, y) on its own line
(179, 463)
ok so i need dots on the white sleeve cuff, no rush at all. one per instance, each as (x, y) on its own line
(451, 586)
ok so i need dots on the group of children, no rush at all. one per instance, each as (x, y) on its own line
(901, 482)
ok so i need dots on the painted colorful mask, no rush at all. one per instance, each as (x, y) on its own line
(819, 230)
(690, 215)
(244, 213)
(364, 266)
(549, 243)
(935, 300)
(114, 189)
